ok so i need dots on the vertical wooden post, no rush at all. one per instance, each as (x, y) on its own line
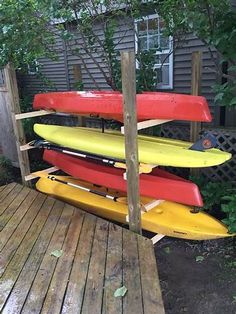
(14, 107)
(78, 77)
(131, 143)
(195, 127)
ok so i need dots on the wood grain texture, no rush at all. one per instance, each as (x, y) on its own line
(7, 137)
(21, 288)
(39, 288)
(113, 272)
(75, 290)
(97, 258)
(195, 127)
(14, 256)
(12, 207)
(151, 292)
(11, 197)
(132, 301)
(93, 293)
(6, 191)
(12, 225)
(13, 104)
(55, 294)
(131, 144)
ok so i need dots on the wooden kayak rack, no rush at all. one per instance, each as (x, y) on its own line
(23, 147)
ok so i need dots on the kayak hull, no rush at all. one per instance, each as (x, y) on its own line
(168, 218)
(159, 184)
(108, 104)
(152, 150)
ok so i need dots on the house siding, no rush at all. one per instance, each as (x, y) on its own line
(54, 71)
(124, 38)
(62, 75)
(183, 72)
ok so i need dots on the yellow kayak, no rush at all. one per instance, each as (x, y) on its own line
(168, 218)
(157, 151)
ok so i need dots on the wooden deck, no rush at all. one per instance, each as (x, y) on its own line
(97, 258)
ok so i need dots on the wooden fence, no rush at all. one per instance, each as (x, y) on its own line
(7, 138)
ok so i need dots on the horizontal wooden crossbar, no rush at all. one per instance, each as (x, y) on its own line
(147, 124)
(32, 114)
(34, 175)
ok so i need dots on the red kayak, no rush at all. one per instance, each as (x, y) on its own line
(159, 184)
(109, 105)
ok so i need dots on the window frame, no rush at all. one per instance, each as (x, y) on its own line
(165, 51)
(34, 64)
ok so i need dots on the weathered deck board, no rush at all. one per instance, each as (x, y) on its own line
(132, 303)
(152, 300)
(95, 278)
(10, 209)
(75, 290)
(15, 220)
(43, 277)
(113, 275)
(97, 258)
(10, 198)
(7, 189)
(54, 299)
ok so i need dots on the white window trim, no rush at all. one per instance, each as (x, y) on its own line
(171, 59)
(36, 63)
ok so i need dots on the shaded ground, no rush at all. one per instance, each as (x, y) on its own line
(197, 277)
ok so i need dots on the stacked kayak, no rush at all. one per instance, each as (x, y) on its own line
(150, 105)
(159, 184)
(90, 158)
(168, 218)
(157, 151)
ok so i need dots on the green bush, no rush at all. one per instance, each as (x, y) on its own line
(230, 209)
(219, 197)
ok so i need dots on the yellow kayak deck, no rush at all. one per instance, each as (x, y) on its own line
(152, 150)
(168, 218)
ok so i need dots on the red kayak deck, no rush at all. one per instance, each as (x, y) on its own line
(159, 184)
(109, 105)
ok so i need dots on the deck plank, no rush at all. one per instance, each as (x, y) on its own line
(92, 302)
(113, 273)
(13, 244)
(10, 273)
(38, 291)
(2, 187)
(9, 229)
(10, 198)
(75, 291)
(7, 190)
(12, 207)
(98, 257)
(152, 299)
(56, 291)
(26, 277)
(132, 301)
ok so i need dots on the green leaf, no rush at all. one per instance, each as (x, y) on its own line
(232, 102)
(219, 97)
(199, 258)
(57, 253)
(120, 292)
(167, 250)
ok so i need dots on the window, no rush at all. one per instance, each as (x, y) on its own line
(149, 36)
(33, 68)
